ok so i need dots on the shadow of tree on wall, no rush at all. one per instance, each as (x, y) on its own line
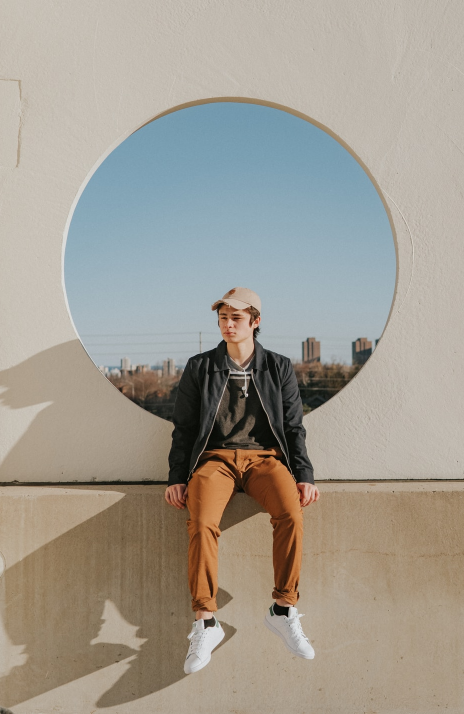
(45, 452)
(133, 554)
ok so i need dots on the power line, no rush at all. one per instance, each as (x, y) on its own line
(216, 334)
(118, 354)
(326, 341)
(143, 344)
(142, 334)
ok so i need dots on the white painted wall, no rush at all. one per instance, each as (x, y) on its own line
(386, 79)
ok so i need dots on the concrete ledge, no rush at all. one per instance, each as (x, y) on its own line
(96, 607)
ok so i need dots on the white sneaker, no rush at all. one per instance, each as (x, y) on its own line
(290, 631)
(203, 640)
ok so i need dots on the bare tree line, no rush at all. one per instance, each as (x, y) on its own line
(317, 381)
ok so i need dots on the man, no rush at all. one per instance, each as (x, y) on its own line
(238, 426)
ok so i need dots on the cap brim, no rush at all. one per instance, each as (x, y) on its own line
(238, 304)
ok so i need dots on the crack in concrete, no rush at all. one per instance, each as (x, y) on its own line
(412, 248)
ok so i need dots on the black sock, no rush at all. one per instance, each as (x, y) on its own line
(279, 610)
(211, 622)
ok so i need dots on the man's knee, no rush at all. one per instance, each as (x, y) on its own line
(203, 526)
(292, 518)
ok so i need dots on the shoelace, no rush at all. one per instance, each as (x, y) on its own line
(197, 638)
(295, 626)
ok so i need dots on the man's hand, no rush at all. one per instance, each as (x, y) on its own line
(175, 495)
(308, 493)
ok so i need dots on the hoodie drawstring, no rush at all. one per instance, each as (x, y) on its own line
(244, 389)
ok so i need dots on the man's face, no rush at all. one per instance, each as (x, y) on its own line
(235, 324)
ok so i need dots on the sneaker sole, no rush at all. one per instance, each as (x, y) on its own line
(207, 661)
(276, 632)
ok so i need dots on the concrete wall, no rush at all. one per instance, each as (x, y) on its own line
(94, 602)
(385, 78)
(97, 609)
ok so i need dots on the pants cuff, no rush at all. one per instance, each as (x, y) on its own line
(291, 597)
(210, 605)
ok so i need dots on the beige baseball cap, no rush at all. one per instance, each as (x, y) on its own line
(240, 298)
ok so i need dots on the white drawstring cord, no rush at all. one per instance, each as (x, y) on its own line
(244, 389)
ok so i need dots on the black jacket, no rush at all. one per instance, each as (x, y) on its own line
(200, 392)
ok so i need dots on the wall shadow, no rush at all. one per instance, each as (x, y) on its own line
(133, 554)
(46, 452)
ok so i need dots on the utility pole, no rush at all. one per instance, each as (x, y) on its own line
(200, 343)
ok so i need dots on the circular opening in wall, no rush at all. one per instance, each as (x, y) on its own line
(215, 196)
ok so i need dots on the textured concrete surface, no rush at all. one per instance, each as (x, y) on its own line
(385, 79)
(94, 602)
(96, 609)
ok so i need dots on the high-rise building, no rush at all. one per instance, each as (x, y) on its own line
(125, 363)
(361, 350)
(169, 368)
(311, 349)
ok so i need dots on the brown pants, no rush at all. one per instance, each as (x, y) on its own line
(220, 473)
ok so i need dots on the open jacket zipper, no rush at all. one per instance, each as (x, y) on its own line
(212, 425)
(272, 429)
(215, 415)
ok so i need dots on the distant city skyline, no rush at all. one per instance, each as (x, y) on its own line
(311, 349)
(219, 196)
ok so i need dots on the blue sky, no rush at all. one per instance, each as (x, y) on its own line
(218, 196)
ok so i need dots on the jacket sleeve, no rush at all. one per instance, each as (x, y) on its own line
(186, 420)
(295, 433)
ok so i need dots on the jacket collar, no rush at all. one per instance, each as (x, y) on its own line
(220, 358)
